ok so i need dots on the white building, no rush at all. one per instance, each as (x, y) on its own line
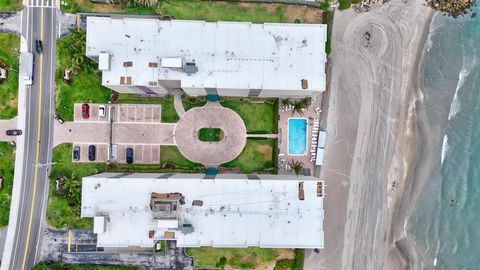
(136, 210)
(152, 56)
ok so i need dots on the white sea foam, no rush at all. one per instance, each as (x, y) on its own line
(445, 147)
(462, 76)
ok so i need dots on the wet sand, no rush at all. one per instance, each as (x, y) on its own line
(372, 134)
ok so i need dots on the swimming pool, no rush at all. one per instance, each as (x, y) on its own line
(297, 136)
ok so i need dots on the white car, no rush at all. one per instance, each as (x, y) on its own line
(101, 111)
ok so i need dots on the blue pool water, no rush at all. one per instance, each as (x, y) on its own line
(297, 136)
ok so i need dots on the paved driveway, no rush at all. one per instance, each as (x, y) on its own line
(212, 115)
(4, 126)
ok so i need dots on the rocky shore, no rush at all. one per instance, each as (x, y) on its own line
(454, 8)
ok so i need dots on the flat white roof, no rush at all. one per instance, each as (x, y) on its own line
(229, 55)
(264, 210)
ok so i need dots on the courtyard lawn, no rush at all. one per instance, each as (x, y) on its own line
(7, 160)
(210, 134)
(243, 258)
(192, 102)
(222, 11)
(64, 205)
(10, 6)
(86, 83)
(259, 115)
(9, 45)
(169, 115)
(258, 156)
(170, 157)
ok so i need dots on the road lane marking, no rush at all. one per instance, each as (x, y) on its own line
(47, 171)
(38, 145)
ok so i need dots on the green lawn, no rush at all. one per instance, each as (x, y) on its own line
(61, 266)
(64, 205)
(10, 5)
(210, 134)
(7, 160)
(221, 11)
(192, 102)
(170, 156)
(74, 6)
(9, 45)
(169, 115)
(258, 156)
(86, 84)
(244, 258)
(260, 116)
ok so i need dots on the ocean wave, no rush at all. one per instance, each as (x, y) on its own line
(445, 148)
(462, 76)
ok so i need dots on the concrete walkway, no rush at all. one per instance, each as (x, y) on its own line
(212, 115)
(267, 136)
(178, 104)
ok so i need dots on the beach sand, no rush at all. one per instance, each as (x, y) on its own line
(372, 131)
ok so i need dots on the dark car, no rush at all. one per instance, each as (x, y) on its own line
(76, 153)
(14, 132)
(129, 155)
(85, 111)
(58, 118)
(38, 46)
(91, 152)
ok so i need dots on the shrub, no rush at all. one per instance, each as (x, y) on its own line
(344, 4)
(325, 5)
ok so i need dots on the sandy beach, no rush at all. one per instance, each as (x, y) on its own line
(372, 131)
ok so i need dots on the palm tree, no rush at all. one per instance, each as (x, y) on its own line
(297, 166)
(287, 102)
(299, 105)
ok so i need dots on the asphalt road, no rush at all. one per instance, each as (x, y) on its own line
(38, 23)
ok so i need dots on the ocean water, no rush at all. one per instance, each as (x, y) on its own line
(445, 222)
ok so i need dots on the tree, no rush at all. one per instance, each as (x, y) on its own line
(72, 188)
(287, 102)
(299, 105)
(297, 166)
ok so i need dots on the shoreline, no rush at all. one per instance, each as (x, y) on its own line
(403, 253)
(369, 157)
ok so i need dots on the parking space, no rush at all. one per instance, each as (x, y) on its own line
(101, 154)
(93, 111)
(138, 113)
(142, 154)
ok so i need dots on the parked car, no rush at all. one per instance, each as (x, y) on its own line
(14, 132)
(101, 111)
(58, 118)
(85, 111)
(12, 144)
(129, 155)
(38, 46)
(91, 152)
(76, 153)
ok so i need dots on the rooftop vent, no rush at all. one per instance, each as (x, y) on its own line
(301, 193)
(304, 84)
(190, 68)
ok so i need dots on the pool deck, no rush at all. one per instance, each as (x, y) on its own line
(284, 158)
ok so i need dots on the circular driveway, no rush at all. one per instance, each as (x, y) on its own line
(211, 154)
